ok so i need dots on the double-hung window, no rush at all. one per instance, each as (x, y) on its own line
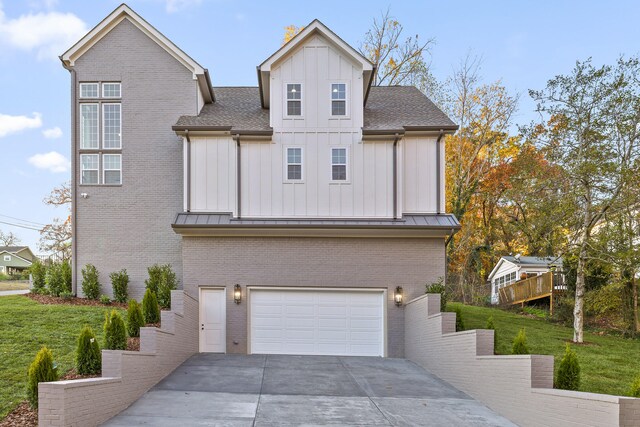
(112, 168)
(338, 164)
(338, 99)
(294, 99)
(89, 166)
(294, 164)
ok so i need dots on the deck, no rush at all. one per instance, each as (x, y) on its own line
(546, 285)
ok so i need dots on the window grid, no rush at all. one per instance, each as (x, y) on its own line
(338, 99)
(338, 164)
(294, 99)
(111, 123)
(88, 90)
(112, 168)
(89, 168)
(294, 164)
(111, 90)
(89, 126)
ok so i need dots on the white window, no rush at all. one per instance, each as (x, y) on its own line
(89, 90)
(294, 164)
(111, 90)
(111, 126)
(112, 168)
(7, 257)
(338, 164)
(89, 168)
(88, 125)
(338, 99)
(294, 99)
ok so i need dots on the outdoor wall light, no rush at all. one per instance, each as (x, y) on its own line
(237, 294)
(397, 296)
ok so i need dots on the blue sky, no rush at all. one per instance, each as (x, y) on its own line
(524, 43)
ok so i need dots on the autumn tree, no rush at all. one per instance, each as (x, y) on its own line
(290, 32)
(591, 129)
(8, 239)
(56, 237)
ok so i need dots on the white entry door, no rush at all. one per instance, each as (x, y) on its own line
(332, 322)
(213, 326)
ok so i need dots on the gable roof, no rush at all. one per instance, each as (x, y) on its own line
(125, 12)
(392, 109)
(315, 27)
(526, 261)
(13, 254)
(13, 249)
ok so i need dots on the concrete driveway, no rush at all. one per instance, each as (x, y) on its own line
(259, 390)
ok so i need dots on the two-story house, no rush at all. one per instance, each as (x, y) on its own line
(301, 213)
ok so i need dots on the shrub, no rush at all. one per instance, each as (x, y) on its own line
(55, 279)
(65, 273)
(520, 343)
(120, 283)
(104, 299)
(3, 277)
(168, 283)
(492, 326)
(634, 391)
(66, 295)
(155, 277)
(115, 334)
(38, 272)
(88, 356)
(41, 370)
(459, 320)
(134, 318)
(568, 377)
(90, 282)
(150, 308)
(438, 288)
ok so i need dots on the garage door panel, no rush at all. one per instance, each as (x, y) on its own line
(317, 322)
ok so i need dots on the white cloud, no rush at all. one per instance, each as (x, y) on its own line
(49, 34)
(52, 161)
(13, 124)
(177, 5)
(52, 133)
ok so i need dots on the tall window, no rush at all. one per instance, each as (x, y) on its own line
(294, 99)
(89, 126)
(112, 167)
(111, 124)
(89, 168)
(338, 164)
(294, 164)
(338, 99)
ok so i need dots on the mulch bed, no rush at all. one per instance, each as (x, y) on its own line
(48, 299)
(22, 416)
(133, 344)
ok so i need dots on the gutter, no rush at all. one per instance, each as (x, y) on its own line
(438, 174)
(236, 138)
(395, 175)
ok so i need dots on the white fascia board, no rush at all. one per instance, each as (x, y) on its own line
(497, 268)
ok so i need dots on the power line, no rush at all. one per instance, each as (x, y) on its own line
(21, 226)
(22, 220)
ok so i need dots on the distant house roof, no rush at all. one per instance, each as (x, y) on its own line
(389, 109)
(13, 249)
(535, 261)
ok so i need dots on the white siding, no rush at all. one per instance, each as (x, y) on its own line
(420, 173)
(213, 174)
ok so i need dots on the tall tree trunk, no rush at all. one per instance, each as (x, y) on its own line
(636, 321)
(578, 309)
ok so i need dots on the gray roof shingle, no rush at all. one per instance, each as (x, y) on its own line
(389, 108)
(12, 249)
(535, 261)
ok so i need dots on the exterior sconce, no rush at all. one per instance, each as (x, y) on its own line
(397, 296)
(237, 294)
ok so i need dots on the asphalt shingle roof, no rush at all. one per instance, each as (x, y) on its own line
(388, 108)
(533, 260)
(12, 249)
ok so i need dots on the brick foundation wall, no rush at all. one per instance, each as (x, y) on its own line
(126, 375)
(517, 387)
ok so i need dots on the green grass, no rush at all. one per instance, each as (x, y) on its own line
(608, 364)
(25, 326)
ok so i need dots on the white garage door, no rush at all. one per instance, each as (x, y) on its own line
(346, 323)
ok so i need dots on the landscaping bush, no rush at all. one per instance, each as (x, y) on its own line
(90, 282)
(115, 334)
(65, 272)
(3, 277)
(520, 343)
(459, 320)
(120, 284)
(55, 279)
(41, 370)
(88, 356)
(168, 283)
(38, 272)
(563, 310)
(134, 318)
(104, 299)
(634, 391)
(492, 326)
(155, 277)
(150, 308)
(66, 295)
(438, 288)
(568, 377)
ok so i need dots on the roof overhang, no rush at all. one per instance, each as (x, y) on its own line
(192, 131)
(497, 267)
(315, 27)
(123, 12)
(407, 131)
(15, 255)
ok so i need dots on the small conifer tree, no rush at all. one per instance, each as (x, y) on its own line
(568, 377)
(88, 356)
(115, 333)
(520, 343)
(40, 371)
(459, 320)
(150, 308)
(135, 319)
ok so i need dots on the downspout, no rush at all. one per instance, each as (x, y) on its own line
(74, 207)
(395, 175)
(238, 175)
(186, 134)
(438, 174)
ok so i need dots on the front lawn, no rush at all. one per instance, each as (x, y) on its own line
(608, 363)
(25, 326)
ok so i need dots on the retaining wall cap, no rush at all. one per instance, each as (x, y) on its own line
(81, 382)
(581, 395)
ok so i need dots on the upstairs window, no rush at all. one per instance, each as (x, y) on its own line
(89, 90)
(112, 168)
(294, 99)
(89, 126)
(294, 164)
(338, 164)
(339, 99)
(111, 90)
(89, 168)
(7, 257)
(111, 126)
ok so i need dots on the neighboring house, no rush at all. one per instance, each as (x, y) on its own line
(15, 259)
(313, 200)
(511, 269)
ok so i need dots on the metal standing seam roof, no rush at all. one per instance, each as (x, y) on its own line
(395, 108)
(225, 220)
(533, 260)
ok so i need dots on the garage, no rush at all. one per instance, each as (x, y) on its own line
(317, 322)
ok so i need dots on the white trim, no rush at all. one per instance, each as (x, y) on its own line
(497, 267)
(111, 83)
(286, 164)
(102, 122)
(286, 114)
(7, 256)
(223, 290)
(88, 84)
(347, 179)
(17, 256)
(104, 169)
(346, 114)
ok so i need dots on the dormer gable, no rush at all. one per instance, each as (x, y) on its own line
(123, 12)
(314, 28)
